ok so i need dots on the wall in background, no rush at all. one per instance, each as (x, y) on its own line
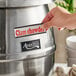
(60, 38)
(61, 52)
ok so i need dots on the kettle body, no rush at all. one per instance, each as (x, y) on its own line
(26, 49)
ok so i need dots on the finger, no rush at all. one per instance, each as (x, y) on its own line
(51, 23)
(48, 17)
(70, 28)
(47, 25)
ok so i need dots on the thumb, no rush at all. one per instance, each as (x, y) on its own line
(47, 18)
(47, 24)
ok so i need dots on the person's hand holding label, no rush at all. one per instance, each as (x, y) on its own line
(60, 18)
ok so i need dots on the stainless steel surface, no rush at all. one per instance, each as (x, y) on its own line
(18, 18)
(32, 67)
(22, 3)
(39, 66)
(30, 54)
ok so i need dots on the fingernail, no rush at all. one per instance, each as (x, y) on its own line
(60, 29)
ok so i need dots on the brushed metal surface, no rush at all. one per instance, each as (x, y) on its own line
(13, 61)
(31, 67)
(13, 18)
(22, 3)
(39, 67)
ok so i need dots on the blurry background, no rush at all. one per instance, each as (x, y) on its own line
(60, 37)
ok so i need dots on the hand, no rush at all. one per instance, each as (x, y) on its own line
(58, 17)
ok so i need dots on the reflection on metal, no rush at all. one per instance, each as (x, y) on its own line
(31, 55)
